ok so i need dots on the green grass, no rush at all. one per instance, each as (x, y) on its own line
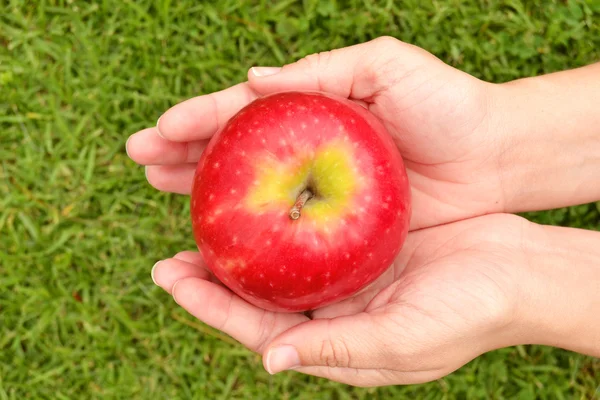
(80, 228)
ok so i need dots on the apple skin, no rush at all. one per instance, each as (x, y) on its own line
(250, 176)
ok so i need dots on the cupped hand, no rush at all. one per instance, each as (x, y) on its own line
(450, 296)
(441, 119)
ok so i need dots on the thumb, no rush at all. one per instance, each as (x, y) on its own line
(357, 342)
(357, 72)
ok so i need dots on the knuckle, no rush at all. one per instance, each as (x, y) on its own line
(386, 40)
(317, 61)
(266, 328)
(182, 255)
(334, 353)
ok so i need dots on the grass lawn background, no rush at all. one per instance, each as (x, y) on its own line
(80, 228)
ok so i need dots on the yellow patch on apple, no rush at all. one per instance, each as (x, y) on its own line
(329, 174)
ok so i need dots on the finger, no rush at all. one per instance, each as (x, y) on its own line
(171, 178)
(200, 117)
(223, 310)
(192, 257)
(358, 72)
(372, 377)
(166, 272)
(360, 342)
(146, 147)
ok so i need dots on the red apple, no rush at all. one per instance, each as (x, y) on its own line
(299, 201)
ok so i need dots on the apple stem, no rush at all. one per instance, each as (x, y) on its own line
(300, 202)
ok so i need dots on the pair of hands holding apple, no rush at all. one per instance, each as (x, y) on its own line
(469, 278)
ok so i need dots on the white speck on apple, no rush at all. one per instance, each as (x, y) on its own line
(239, 135)
(271, 284)
(340, 128)
(388, 198)
(326, 255)
(282, 142)
(218, 211)
(256, 183)
(303, 125)
(216, 165)
(263, 141)
(233, 191)
(293, 274)
(370, 255)
(288, 113)
(308, 279)
(292, 133)
(211, 196)
(237, 172)
(261, 275)
(316, 120)
(347, 256)
(243, 153)
(268, 242)
(234, 239)
(352, 121)
(368, 199)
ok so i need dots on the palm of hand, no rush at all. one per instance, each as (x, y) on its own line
(449, 289)
(442, 125)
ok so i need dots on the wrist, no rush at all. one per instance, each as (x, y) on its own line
(548, 130)
(560, 290)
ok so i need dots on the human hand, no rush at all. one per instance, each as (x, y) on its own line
(450, 296)
(438, 116)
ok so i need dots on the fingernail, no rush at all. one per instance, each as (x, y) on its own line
(127, 146)
(265, 71)
(152, 272)
(173, 292)
(157, 128)
(282, 358)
